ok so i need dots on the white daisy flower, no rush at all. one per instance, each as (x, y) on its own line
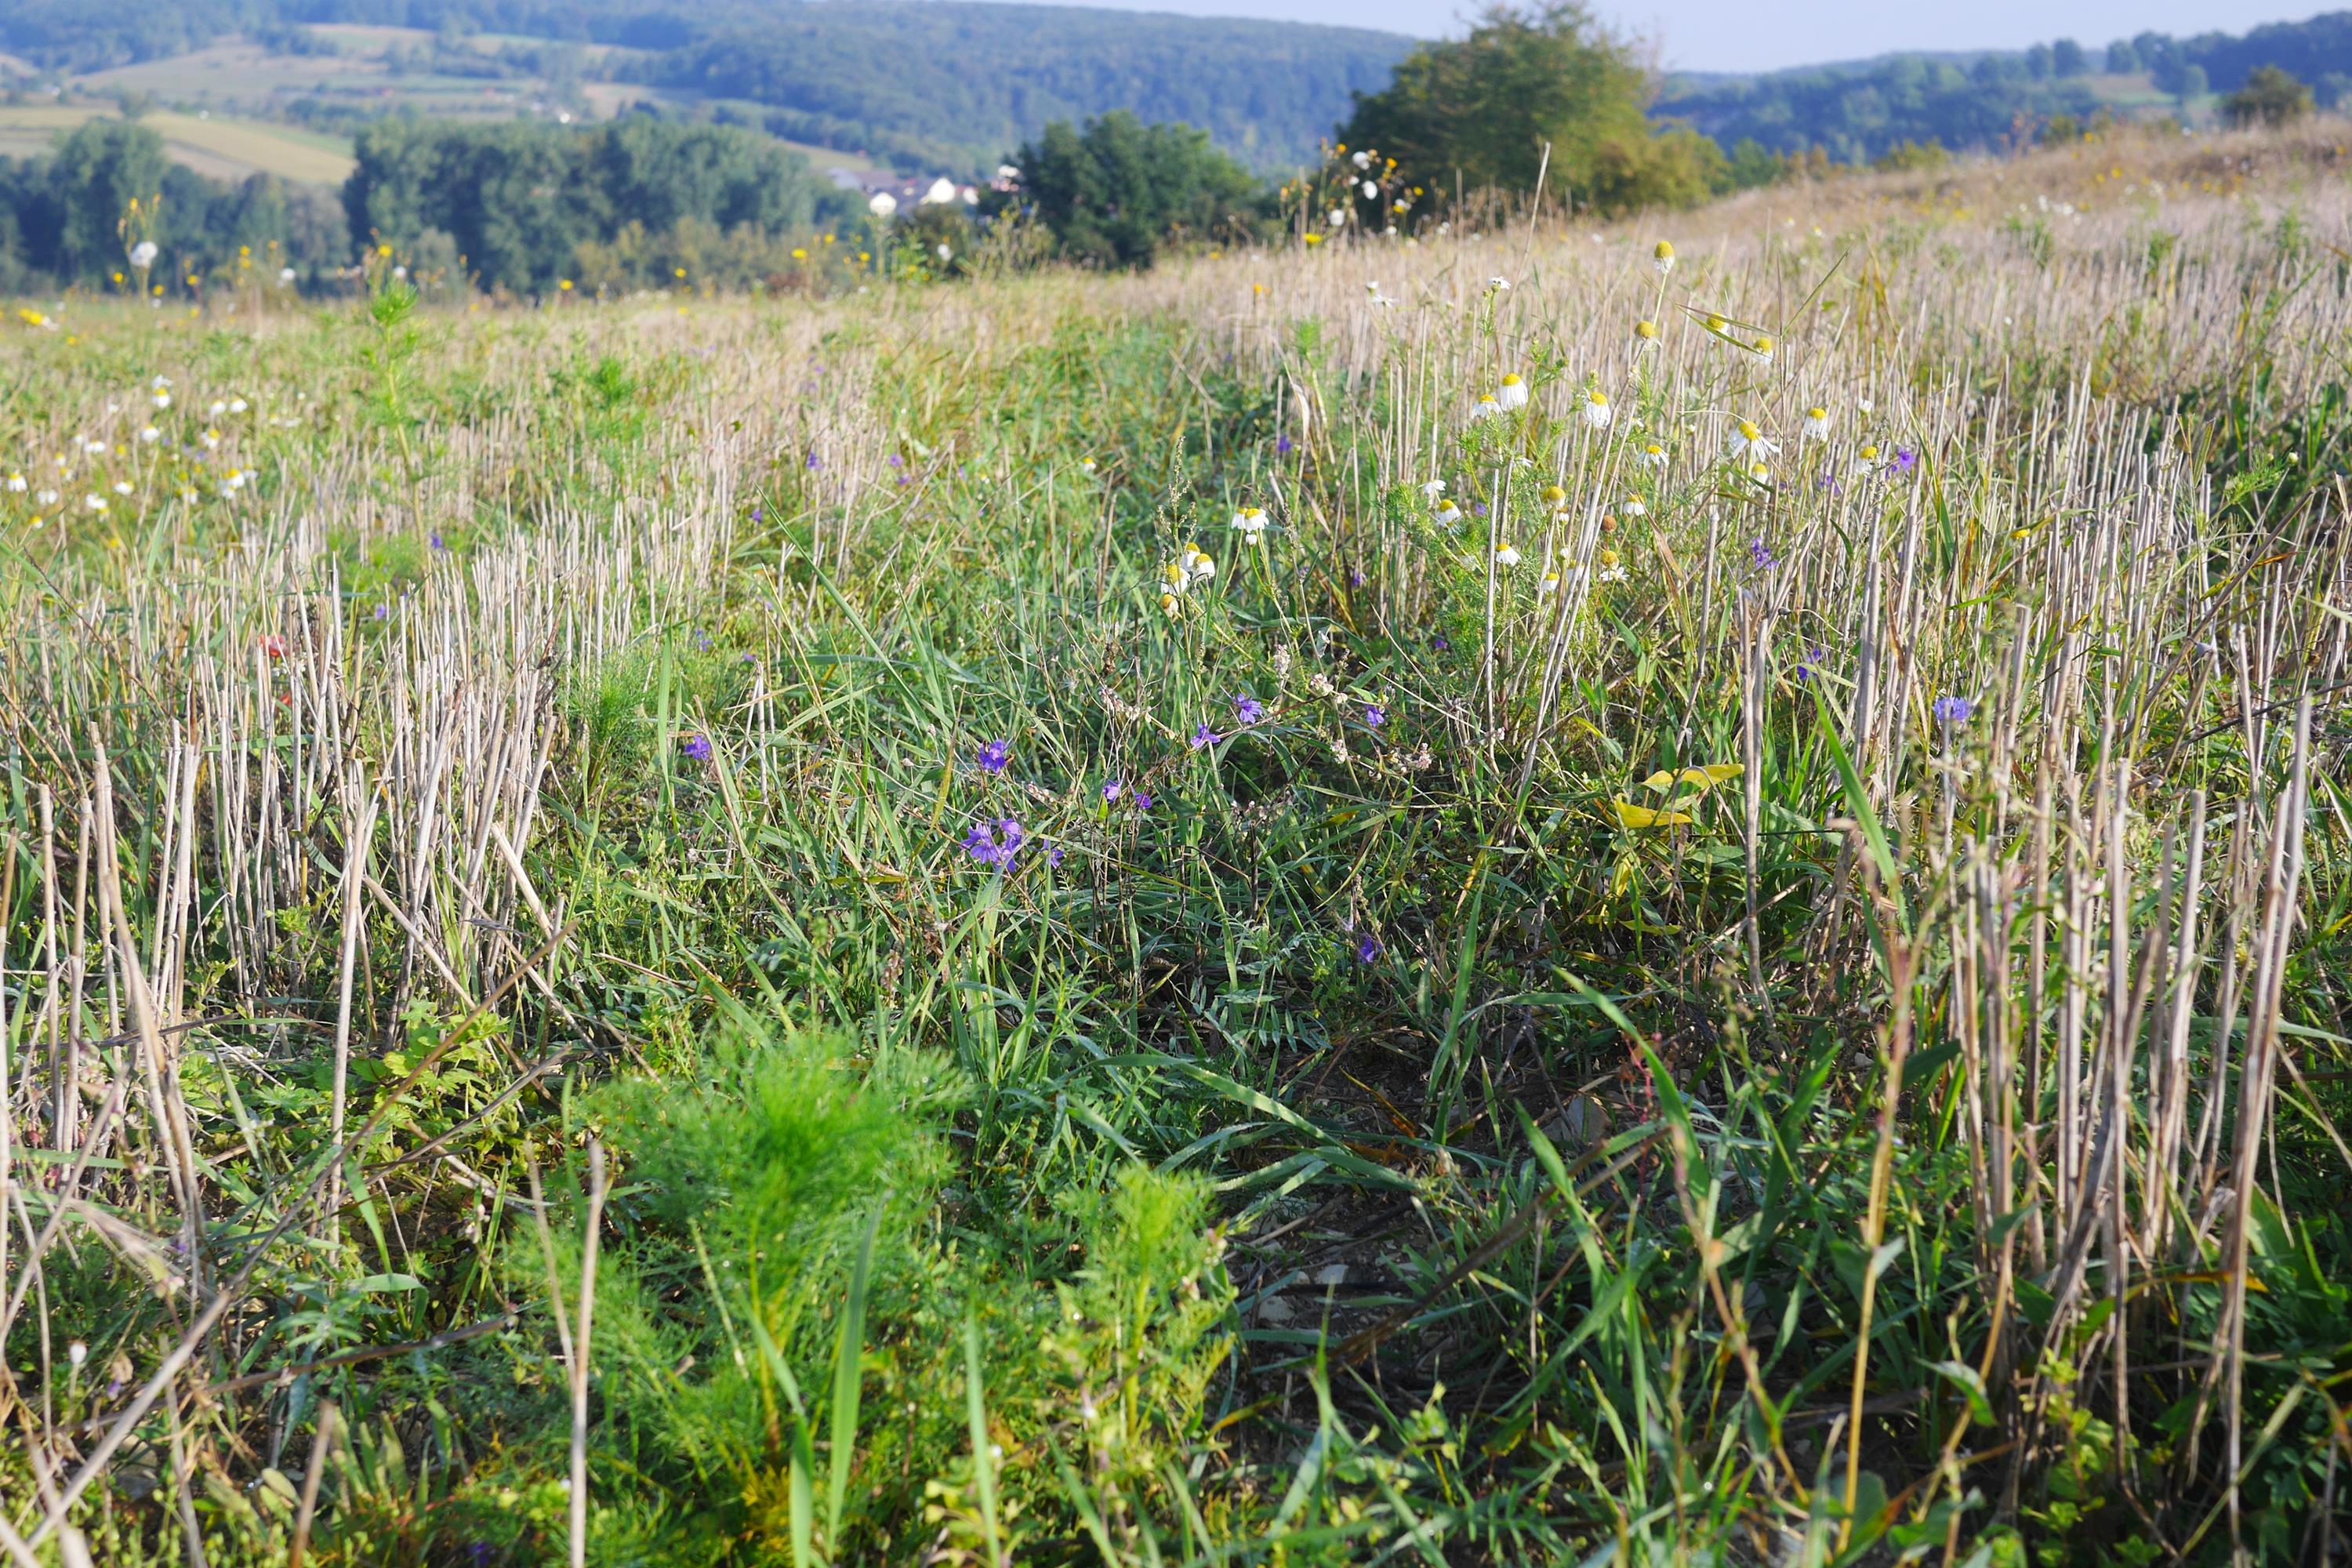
(1505, 555)
(149, 433)
(1513, 392)
(1662, 257)
(1634, 507)
(46, 497)
(94, 501)
(1597, 412)
(1751, 444)
(17, 484)
(122, 486)
(1817, 423)
(1484, 406)
(1433, 488)
(1653, 458)
(1448, 513)
(1250, 523)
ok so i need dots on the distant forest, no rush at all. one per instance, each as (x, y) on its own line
(1864, 109)
(934, 86)
(951, 85)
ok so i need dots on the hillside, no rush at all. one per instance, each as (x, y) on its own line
(936, 86)
(1859, 110)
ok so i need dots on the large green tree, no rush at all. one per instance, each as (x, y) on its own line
(1543, 92)
(1116, 193)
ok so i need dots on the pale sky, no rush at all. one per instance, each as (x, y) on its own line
(1741, 35)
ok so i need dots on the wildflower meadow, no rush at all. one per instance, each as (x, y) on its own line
(1672, 891)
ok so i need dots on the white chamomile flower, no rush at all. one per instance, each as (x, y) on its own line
(1513, 392)
(237, 479)
(1760, 472)
(160, 384)
(1762, 349)
(143, 255)
(1867, 461)
(1662, 257)
(1086, 465)
(1653, 458)
(94, 501)
(1750, 444)
(1611, 569)
(1198, 564)
(46, 497)
(1505, 555)
(1817, 423)
(1597, 412)
(1498, 284)
(1550, 585)
(237, 405)
(1250, 523)
(1862, 404)
(211, 439)
(218, 408)
(187, 493)
(286, 275)
(1448, 513)
(122, 486)
(1486, 405)
(1433, 488)
(162, 400)
(149, 433)
(1645, 336)
(1634, 507)
(92, 448)
(18, 484)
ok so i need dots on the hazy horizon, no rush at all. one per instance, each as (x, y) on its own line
(1722, 34)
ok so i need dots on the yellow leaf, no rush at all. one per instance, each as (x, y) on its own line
(1632, 815)
(1704, 778)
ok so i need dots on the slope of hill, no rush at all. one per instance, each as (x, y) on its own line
(936, 84)
(1859, 108)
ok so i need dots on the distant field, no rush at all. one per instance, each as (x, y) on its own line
(218, 146)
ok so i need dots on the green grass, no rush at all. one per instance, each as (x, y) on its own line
(1596, 1072)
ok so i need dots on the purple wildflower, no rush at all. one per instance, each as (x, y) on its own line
(1204, 736)
(1054, 855)
(815, 461)
(1438, 644)
(1906, 459)
(1375, 715)
(1811, 665)
(994, 755)
(1248, 709)
(435, 541)
(1355, 578)
(701, 641)
(1369, 950)
(758, 512)
(1113, 788)
(1143, 802)
(1282, 446)
(995, 847)
(897, 461)
(694, 748)
(1954, 709)
(1479, 509)
(1762, 554)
